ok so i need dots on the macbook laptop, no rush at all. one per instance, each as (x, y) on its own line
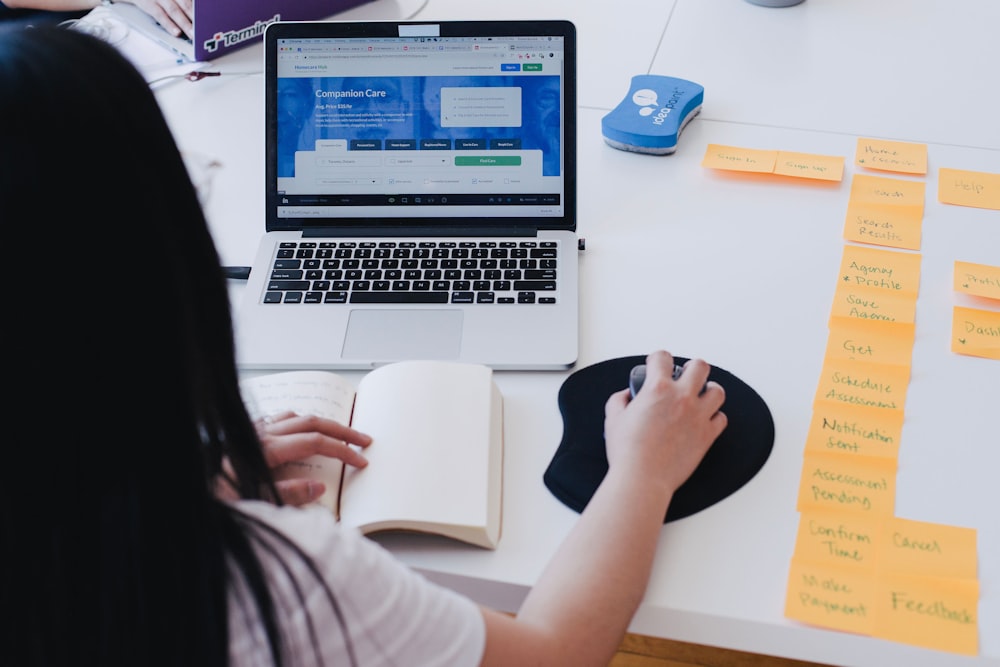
(420, 195)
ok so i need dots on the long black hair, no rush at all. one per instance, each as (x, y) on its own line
(121, 360)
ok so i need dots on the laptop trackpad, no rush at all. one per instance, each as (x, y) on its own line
(389, 335)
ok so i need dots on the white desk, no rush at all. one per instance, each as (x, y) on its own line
(738, 270)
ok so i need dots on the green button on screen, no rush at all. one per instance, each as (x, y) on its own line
(532, 67)
(488, 161)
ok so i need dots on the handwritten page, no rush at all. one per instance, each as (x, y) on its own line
(895, 225)
(807, 165)
(978, 189)
(898, 156)
(732, 158)
(312, 392)
(975, 332)
(852, 431)
(933, 612)
(977, 279)
(833, 483)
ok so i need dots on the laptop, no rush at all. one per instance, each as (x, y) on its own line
(420, 194)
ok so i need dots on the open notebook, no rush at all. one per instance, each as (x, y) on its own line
(420, 195)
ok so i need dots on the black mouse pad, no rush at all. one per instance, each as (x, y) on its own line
(580, 462)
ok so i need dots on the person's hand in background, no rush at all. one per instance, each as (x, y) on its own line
(176, 16)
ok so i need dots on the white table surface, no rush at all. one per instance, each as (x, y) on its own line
(739, 270)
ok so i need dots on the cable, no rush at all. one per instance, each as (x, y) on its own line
(419, 9)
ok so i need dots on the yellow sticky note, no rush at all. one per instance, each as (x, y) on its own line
(867, 189)
(838, 539)
(863, 384)
(807, 165)
(975, 332)
(875, 307)
(865, 340)
(977, 279)
(898, 156)
(836, 484)
(896, 226)
(932, 549)
(831, 597)
(875, 268)
(847, 430)
(932, 612)
(733, 158)
(979, 189)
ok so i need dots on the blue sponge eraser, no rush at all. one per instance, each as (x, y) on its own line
(652, 115)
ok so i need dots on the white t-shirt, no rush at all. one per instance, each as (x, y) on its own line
(392, 615)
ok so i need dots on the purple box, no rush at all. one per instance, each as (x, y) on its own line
(221, 26)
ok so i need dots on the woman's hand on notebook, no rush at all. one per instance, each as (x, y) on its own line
(288, 437)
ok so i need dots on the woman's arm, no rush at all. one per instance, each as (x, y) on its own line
(579, 611)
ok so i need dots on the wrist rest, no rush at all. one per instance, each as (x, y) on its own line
(580, 463)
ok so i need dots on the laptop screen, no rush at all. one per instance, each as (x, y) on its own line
(455, 123)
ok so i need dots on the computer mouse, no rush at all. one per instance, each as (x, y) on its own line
(638, 375)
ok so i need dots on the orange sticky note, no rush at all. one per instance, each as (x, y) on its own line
(875, 268)
(837, 484)
(733, 158)
(898, 156)
(865, 340)
(831, 597)
(863, 384)
(975, 332)
(979, 189)
(867, 189)
(932, 549)
(875, 307)
(893, 225)
(932, 612)
(847, 430)
(807, 165)
(977, 279)
(837, 539)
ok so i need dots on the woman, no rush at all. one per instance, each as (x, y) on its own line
(142, 525)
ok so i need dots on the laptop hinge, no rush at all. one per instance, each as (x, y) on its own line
(418, 231)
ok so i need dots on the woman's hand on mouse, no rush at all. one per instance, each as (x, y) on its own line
(664, 432)
(289, 437)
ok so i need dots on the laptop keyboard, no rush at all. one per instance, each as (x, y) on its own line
(412, 272)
